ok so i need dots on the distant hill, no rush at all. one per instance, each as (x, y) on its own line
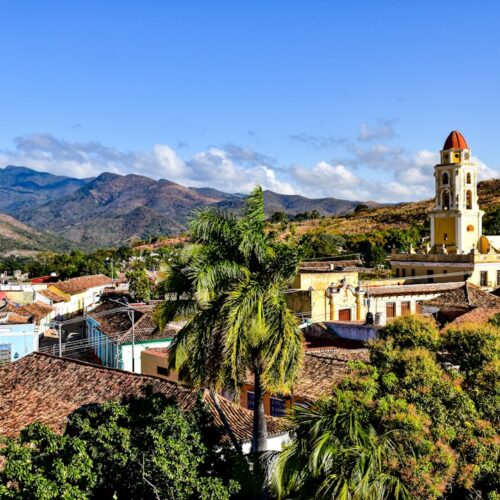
(295, 204)
(18, 239)
(21, 186)
(112, 209)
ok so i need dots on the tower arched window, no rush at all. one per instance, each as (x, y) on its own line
(446, 200)
(445, 178)
(468, 199)
(468, 178)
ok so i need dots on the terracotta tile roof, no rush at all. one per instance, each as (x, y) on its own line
(321, 369)
(477, 315)
(54, 297)
(380, 291)
(43, 279)
(120, 324)
(78, 285)
(161, 352)
(44, 388)
(467, 296)
(11, 318)
(36, 309)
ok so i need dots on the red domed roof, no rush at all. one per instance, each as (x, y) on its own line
(455, 141)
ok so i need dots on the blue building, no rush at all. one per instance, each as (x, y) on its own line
(117, 343)
(16, 339)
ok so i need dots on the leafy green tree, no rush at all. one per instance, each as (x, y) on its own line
(361, 208)
(145, 447)
(471, 346)
(230, 288)
(495, 320)
(140, 448)
(279, 217)
(139, 284)
(491, 221)
(43, 465)
(409, 332)
(321, 244)
(442, 424)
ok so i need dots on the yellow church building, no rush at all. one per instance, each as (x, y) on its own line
(457, 250)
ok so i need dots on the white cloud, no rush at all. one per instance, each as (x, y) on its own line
(383, 130)
(375, 171)
(232, 169)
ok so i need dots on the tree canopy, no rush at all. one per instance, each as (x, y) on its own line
(407, 424)
(139, 448)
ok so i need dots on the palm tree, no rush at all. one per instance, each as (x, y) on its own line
(336, 453)
(229, 285)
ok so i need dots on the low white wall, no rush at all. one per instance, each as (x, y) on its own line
(274, 443)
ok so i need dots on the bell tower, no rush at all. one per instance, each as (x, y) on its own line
(456, 220)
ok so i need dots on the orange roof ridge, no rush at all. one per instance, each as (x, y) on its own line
(455, 141)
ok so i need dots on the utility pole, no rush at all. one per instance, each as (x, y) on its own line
(132, 318)
(60, 340)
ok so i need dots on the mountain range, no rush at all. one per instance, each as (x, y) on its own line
(112, 209)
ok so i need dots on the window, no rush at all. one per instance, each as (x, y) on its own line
(468, 179)
(413, 272)
(430, 273)
(483, 280)
(446, 200)
(5, 353)
(397, 272)
(498, 277)
(344, 315)
(403, 273)
(468, 199)
(161, 370)
(445, 178)
(250, 400)
(390, 310)
(277, 407)
(405, 308)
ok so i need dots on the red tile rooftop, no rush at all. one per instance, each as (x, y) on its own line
(465, 296)
(47, 389)
(394, 290)
(79, 285)
(477, 315)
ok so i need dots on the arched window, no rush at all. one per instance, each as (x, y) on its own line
(468, 179)
(445, 178)
(446, 200)
(468, 199)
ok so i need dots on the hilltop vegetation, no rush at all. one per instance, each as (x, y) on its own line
(18, 238)
(374, 232)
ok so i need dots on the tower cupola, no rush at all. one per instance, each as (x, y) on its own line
(456, 221)
(455, 149)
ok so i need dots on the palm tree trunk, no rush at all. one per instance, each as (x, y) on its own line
(259, 438)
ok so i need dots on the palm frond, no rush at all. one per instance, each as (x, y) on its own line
(212, 224)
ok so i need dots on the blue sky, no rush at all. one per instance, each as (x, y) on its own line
(351, 99)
